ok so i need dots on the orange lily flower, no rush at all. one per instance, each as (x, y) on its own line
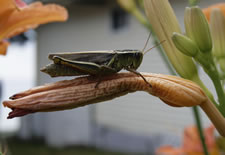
(207, 11)
(17, 17)
(192, 143)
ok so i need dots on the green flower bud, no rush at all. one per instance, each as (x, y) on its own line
(197, 28)
(164, 23)
(217, 26)
(185, 44)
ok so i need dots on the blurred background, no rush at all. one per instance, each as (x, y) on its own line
(133, 124)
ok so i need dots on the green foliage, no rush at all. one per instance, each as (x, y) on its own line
(36, 147)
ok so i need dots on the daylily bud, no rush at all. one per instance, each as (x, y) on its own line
(197, 28)
(164, 23)
(185, 44)
(217, 25)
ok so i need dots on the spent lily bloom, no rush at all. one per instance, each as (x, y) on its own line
(192, 143)
(17, 17)
(68, 94)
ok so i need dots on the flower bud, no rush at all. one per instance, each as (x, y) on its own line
(164, 23)
(197, 28)
(185, 44)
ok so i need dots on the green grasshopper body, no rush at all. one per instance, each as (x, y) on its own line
(95, 63)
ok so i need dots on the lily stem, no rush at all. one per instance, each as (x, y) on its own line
(200, 129)
(214, 75)
(193, 2)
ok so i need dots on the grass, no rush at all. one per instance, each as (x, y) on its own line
(37, 147)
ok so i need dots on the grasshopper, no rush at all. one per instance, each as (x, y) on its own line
(96, 63)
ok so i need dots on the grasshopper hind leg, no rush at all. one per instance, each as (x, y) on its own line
(98, 82)
(139, 74)
(108, 70)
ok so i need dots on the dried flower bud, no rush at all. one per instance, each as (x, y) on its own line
(81, 91)
(78, 92)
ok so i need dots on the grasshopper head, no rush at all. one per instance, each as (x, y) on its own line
(137, 60)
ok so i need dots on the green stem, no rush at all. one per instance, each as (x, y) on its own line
(208, 93)
(193, 2)
(206, 60)
(200, 130)
(214, 75)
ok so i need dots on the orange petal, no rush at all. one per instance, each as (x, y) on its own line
(3, 47)
(169, 150)
(30, 17)
(210, 137)
(207, 11)
(20, 3)
(192, 143)
(6, 5)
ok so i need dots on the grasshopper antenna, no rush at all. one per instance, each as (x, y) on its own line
(149, 36)
(154, 46)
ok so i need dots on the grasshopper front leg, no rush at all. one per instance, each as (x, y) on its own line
(139, 74)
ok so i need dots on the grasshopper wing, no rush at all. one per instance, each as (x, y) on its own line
(80, 63)
(97, 57)
(79, 66)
